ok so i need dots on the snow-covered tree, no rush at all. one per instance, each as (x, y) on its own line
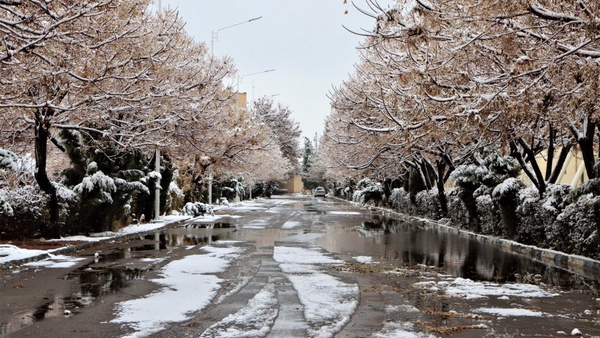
(113, 73)
(435, 83)
(82, 66)
(285, 130)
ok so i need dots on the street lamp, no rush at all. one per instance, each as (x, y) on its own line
(215, 34)
(240, 77)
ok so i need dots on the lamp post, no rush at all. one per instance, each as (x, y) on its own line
(215, 34)
(240, 77)
(157, 187)
(210, 182)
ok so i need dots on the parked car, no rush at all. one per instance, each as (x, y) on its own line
(319, 192)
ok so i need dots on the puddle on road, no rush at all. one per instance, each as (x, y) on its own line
(406, 244)
(106, 276)
(92, 283)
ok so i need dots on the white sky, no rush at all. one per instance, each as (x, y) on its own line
(304, 41)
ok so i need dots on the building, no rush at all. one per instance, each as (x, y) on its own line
(293, 185)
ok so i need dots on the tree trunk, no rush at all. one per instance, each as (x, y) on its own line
(536, 175)
(586, 144)
(466, 196)
(508, 207)
(441, 167)
(562, 157)
(534, 165)
(41, 176)
(550, 161)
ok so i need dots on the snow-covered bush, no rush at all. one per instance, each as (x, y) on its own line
(264, 188)
(506, 195)
(96, 189)
(468, 178)
(495, 177)
(29, 217)
(231, 189)
(106, 201)
(175, 197)
(456, 210)
(15, 169)
(530, 229)
(8, 160)
(427, 204)
(537, 215)
(196, 209)
(399, 201)
(344, 189)
(579, 224)
(367, 191)
(489, 215)
(5, 208)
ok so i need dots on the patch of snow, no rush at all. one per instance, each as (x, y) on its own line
(349, 213)
(328, 302)
(291, 225)
(470, 289)
(9, 252)
(79, 239)
(405, 308)
(299, 255)
(56, 262)
(364, 259)
(254, 320)
(191, 275)
(511, 312)
(400, 330)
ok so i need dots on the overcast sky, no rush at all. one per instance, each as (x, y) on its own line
(304, 41)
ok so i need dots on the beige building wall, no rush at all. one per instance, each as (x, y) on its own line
(242, 100)
(294, 185)
(573, 172)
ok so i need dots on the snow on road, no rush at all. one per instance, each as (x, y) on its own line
(188, 285)
(469, 289)
(328, 302)
(254, 320)
(511, 312)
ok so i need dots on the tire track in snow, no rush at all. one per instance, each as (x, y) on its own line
(273, 308)
(328, 301)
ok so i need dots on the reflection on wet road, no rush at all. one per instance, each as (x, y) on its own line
(342, 230)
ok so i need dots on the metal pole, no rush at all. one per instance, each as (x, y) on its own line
(215, 34)
(240, 77)
(157, 187)
(210, 179)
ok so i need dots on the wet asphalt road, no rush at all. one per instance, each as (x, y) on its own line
(32, 300)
